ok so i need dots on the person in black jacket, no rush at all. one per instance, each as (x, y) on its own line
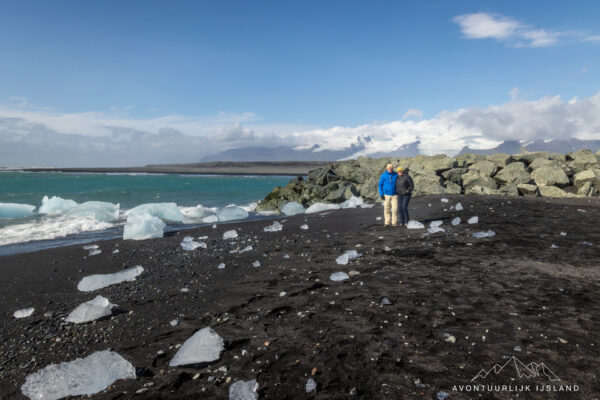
(404, 188)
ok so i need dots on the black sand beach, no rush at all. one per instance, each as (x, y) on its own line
(458, 305)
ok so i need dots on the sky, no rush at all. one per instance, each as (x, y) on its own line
(213, 75)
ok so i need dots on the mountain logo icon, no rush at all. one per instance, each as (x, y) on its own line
(521, 370)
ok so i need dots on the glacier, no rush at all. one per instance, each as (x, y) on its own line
(82, 376)
(56, 205)
(143, 226)
(204, 346)
(91, 310)
(14, 210)
(99, 281)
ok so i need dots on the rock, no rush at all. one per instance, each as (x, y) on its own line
(427, 184)
(587, 190)
(465, 160)
(436, 164)
(514, 174)
(529, 157)
(453, 188)
(344, 192)
(549, 175)
(454, 175)
(369, 190)
(509, 190)
(552, 191)
(475, 178)
(540, 161)
(589, 175)
(477, 189)
(501, 160)
(352, 172)
(484, 167)
(582, 160)
(526, 189)
(243, 390)
(322, 176)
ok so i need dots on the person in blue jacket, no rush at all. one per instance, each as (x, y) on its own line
(387, 191)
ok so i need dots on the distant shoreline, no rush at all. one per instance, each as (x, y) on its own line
(209, 168)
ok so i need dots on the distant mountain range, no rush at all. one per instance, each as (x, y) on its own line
(364, 146)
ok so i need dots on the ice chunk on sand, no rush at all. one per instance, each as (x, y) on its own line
(415, 225)
(211, 219)
(435, 227)
(458, 207)
(190, 245)
(143, 226)
(310, 385)
(95, 252)
(90, 247)
(293, 208)
(99, 210)
(24, 313)
(339, 276)
(563, 234)
(231, 213)
(352, 202)
(256, 264)
(473, 220)
(204, 346)
(344, 258)
(245, 249)
(318, 207)
(221, 266)
(305, 227)
(274, 228)
(14, 210)
(82, 376)
(91, 310)
(378, 218)
(99, 281)
(455, 221)
(56, 205)
(444, 200)
(484, 234)
(243, 390)
(232, 234)
(164, 211)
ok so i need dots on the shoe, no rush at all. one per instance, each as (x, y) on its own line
(395, 225)
(386, 225)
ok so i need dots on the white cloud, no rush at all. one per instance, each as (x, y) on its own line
(413, 112)
(506, 30)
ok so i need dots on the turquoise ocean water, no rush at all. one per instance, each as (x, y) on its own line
(29, 232)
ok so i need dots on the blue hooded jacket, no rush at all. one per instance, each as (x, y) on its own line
(387, 183)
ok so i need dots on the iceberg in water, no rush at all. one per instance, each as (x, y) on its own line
(56, 205)
(83, 376)
(196, 213)
(164, 211)
(318, 207)
(352, 202)
(24, 313)
(211, 219)
(143, 226)
(243, 390)
(91, 310)
(99, 281)
(14, 210)
(274, 228)
(293, 208)
(99, 210)
(231, 213)
(204, 346)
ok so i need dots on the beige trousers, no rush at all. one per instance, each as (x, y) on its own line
(390, 209)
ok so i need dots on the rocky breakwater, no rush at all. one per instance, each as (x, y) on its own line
(574, 174)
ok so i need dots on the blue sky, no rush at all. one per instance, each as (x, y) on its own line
(275, 67)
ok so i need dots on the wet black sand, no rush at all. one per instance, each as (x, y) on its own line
(513, 288)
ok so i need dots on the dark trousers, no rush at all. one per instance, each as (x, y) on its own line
(403, 206)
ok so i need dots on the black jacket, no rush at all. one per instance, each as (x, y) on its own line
(404, 185)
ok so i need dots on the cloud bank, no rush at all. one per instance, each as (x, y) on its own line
(32, 138)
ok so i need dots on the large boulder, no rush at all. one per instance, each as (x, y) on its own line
(525, 189)
(514, 173)
(352, 171)
(558, 157)
(588, 189)
(453, 188)
(322, 176)
(582, 160)
(427, 184)
(509, 190)
(423, 165)
(540, 161)
(454, 175)
(373, 165)
(477, 189)
(468, 159)
(553, 191)
(529, 157)
(589, 175)
(370, 189)
(485, 167)
(500, 159)
(475, 178)
(550, 175)
(344, 191)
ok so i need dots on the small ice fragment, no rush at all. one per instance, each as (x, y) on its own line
(517, 348)
(435, 224)
(415, 225)
(232, 234)
(282, 294)
(473, 220)
(188, 239)
(98, 281)
(378, 218)
(386, 301)
(293, 208)
(273, 228)
(554, 246)
(95, 252)
(91, 310)
(455, 221)
(245, 249)
(442, 396)
(24, 313)
(563, 234)
(458, 207)
(480, 235)
(256, 264)
(221, 266)
(339, 276)
(202, 237)
(243, 390)
(214, 226)
(90, 247)
(184, 290)
(174, 322)
(115, 251)
(344, 258)
(189, 245)
(444, 200)
(204, 346)
(305, 227)
(286, 256)
(82, 376)
(310, 385)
